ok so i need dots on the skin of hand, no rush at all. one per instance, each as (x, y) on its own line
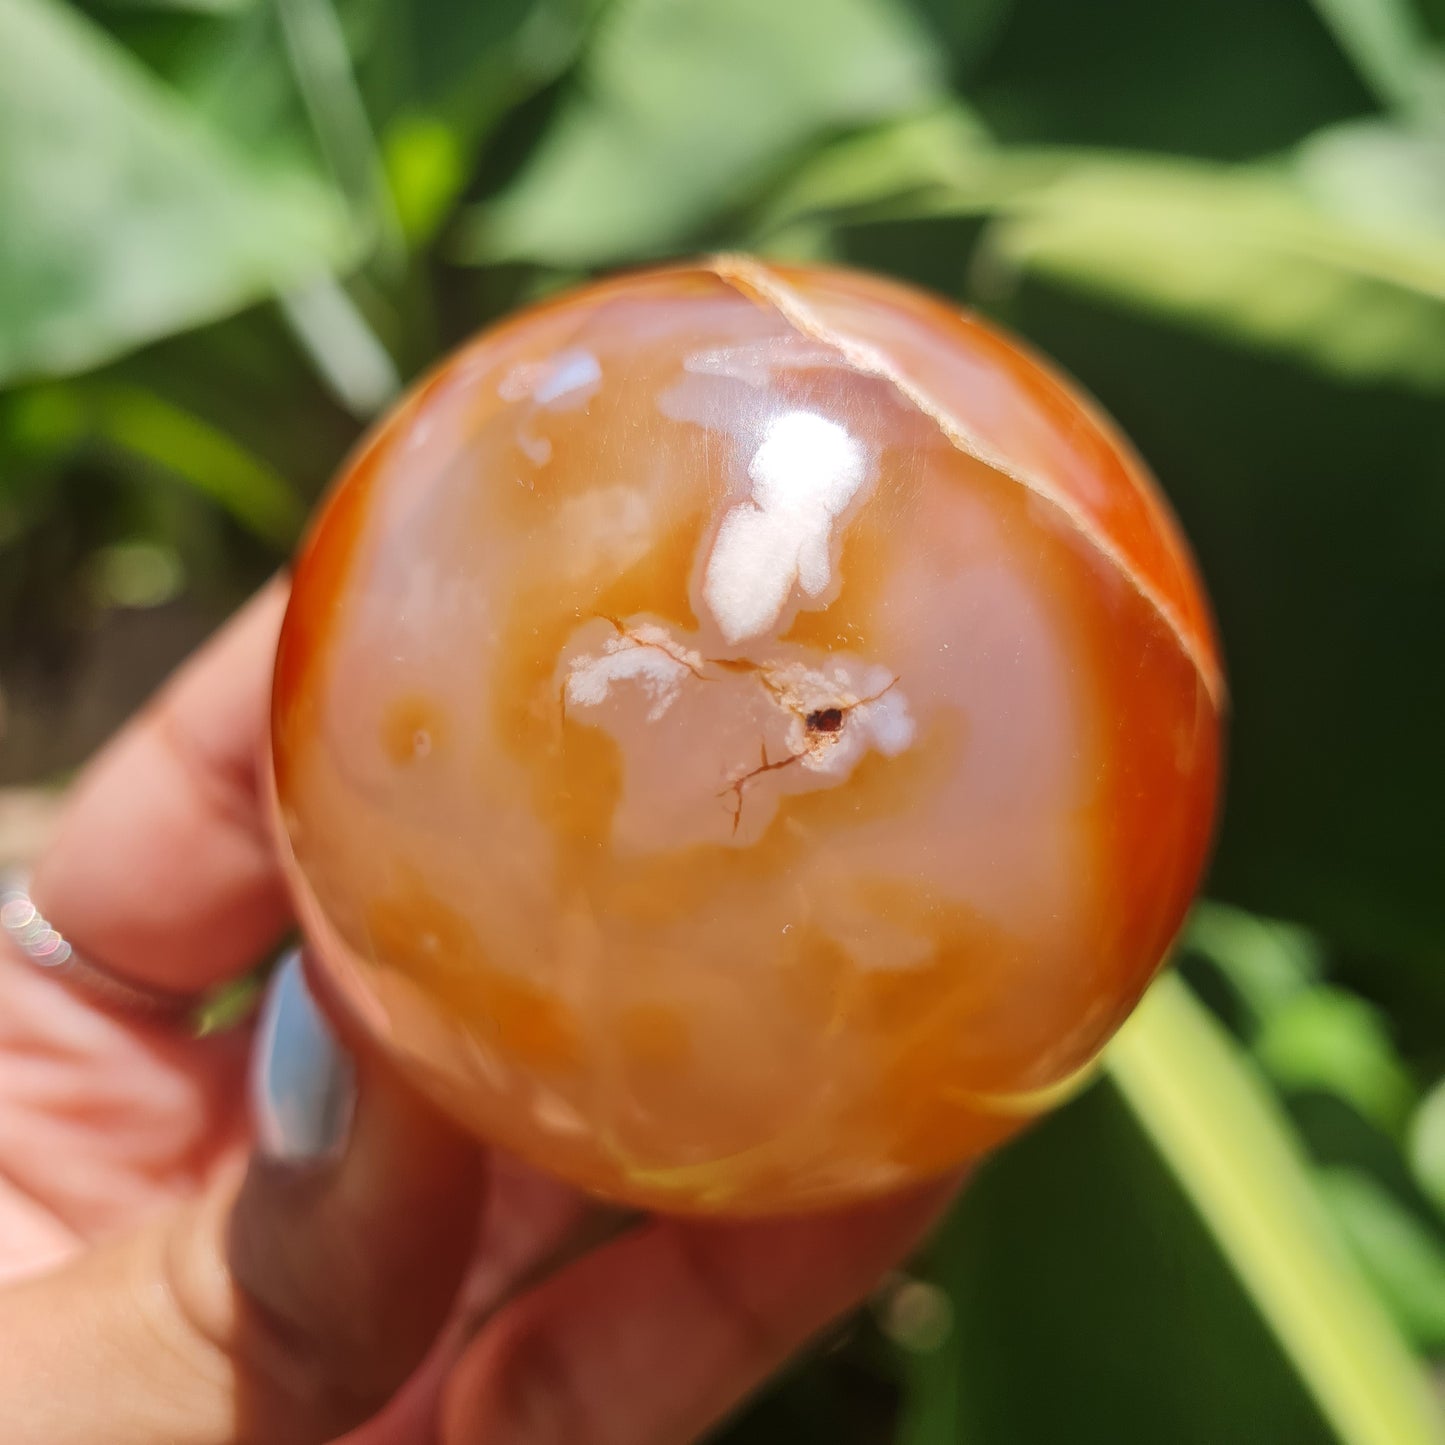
(165, 1278)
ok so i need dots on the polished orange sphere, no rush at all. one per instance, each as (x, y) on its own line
(746, 735)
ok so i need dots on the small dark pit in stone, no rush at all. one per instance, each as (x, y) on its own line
(825, 720)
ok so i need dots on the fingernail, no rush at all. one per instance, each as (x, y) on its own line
(303, 1083)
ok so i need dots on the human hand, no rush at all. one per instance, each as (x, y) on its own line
(171, 1278)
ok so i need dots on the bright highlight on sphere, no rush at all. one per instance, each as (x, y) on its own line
(746, 735)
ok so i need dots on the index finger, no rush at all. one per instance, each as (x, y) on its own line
(162, 868)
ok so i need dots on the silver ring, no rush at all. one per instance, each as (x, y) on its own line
(35, 938)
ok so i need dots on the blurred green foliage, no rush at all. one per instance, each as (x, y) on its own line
(230, 229)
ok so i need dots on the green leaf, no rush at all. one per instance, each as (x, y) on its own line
(426, 171)
(1337, 258)
(153, 430)
(1306, 1034)
(465, 64)
(361, 89)
(969, 30)
(1331, 1040)
(321, 64)
(1427, 1145)
(1268, 964)
(200, 7)
(1377, 175)
(1227, 80)
(136, 221)
(1231, 1150)
(235, 74)
(1090, 1306)
(348, 355)
(915, 165)
(1402, 1257)
(440, 76)
(1241, 253)
(683, 107)
(1387, 43)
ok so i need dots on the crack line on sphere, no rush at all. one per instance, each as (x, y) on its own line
(759, 283)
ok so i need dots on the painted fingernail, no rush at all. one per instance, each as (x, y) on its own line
(303, 1083)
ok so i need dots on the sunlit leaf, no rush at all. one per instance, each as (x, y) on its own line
(439, 76)
(347, 354)
(1402, 1257)
(1377, 175)
(465, 64)
(1268, 964)
(156, 432)
(407, 90)
(1307, 1034)
(1231, 1149)
(1427, 1145)
(124, 218)
(1387, 43)
(683, 105)
(1253, 253)
(1239, 253)
(917, 164)
(1331, 1040)
(200, 7)
(41, 423)
(425, 169)
(321, 63)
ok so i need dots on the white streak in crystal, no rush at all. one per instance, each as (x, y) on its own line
(646, 656)
(875, 709)
(887, 722)
(755, 362)
(538, 450)
(804, 474)
(571, 372)
(561, 382)
(884, 725)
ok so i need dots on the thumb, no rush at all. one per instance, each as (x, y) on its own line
(286, 1305)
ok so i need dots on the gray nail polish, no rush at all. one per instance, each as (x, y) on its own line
(303, 1084)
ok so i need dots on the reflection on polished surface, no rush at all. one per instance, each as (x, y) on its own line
(747, 735)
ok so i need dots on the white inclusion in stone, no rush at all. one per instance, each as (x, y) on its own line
(883, 724)
(804, 474)
(879, 718)
(560, 383)
(538, 450)
(647, 656)
(571, 373)
(887, 722)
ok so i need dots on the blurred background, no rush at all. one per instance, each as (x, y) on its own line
(231, 229)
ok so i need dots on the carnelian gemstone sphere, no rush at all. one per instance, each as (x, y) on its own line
(746, 735)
